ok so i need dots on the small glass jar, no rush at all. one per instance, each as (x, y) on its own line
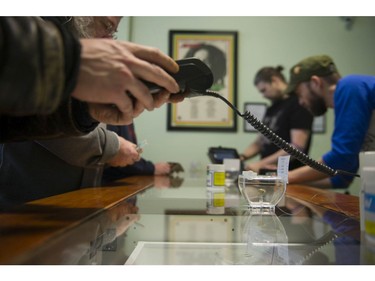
(262, 192)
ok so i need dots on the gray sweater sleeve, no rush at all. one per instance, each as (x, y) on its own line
(96, 147)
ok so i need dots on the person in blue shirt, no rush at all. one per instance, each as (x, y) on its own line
(319, 86)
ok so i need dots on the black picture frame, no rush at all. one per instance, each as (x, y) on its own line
(258, 109)
(206, 113)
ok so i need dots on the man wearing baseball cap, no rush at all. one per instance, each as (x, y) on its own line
(319, 86)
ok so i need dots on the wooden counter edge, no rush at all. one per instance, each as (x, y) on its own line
(47, 219)
(328, 198)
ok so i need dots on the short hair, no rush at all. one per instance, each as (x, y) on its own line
(265, 74)
(332, 79)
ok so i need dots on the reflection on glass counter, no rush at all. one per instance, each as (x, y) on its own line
(193, 233)
(265, 238)
(191, 224)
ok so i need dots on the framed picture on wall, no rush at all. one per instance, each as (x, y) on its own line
(218, 49)
(258, 109)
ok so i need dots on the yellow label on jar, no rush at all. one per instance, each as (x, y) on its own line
(219, 200)
(219, 178)
(370, 227)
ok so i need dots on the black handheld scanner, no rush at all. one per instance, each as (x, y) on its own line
(194, 76)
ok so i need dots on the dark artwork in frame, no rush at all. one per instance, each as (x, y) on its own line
(218, 49)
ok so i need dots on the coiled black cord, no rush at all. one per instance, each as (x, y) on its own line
(268, 133)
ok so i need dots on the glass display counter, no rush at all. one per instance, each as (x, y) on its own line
(182, 222)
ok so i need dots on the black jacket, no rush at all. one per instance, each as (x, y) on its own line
(39, 65)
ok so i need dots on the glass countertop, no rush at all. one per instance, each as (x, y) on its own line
(191, 224)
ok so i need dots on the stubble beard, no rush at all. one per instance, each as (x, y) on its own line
(317, 104)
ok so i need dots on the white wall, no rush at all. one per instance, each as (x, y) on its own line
(262, 41)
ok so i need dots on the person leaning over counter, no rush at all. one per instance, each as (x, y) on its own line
(319, 86)
(285, 116)
(52, 84)
(57, 165)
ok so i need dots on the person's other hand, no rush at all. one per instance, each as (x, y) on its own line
(164, 97)
(111, 75)
(162, 168)
(255, 166)
(127, 154)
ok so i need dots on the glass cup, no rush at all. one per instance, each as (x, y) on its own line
(262, 192)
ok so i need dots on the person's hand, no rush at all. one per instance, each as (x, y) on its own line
(127, 154)
(110, 79)
(162, 168)
(256, 166)
(176, 167)
(164, 96)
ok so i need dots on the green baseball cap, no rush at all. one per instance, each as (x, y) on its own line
(322, 65)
